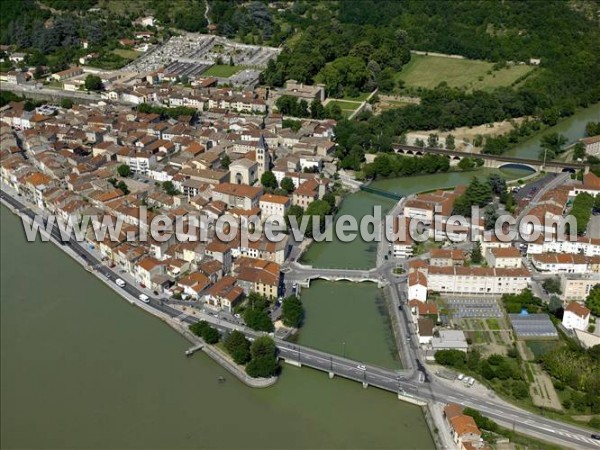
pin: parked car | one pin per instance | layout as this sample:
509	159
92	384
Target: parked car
461	376
120	282
144	298
595	436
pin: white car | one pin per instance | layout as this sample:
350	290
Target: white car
237	316
120	282
460	376
361	367
144	298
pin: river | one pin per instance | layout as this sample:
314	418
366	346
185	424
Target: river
81	368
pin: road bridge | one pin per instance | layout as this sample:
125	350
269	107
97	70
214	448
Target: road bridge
388	194
304	274
417	388
494	161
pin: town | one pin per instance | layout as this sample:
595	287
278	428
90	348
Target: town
497	340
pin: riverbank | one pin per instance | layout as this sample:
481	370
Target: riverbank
219	357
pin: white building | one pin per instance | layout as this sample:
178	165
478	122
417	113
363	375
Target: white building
561	263
274	207
477	280
576	316
577	287
417	286
506	258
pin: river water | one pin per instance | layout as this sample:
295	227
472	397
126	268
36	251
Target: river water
81	368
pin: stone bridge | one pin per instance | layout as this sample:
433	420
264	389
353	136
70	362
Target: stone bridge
303	274
495	161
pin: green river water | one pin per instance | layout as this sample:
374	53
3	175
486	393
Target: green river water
81	368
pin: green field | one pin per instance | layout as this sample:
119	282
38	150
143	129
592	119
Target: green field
429	71
126	53
348	107
222	71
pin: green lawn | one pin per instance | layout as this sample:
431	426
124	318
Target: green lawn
222	71
126	53
361	97
429	71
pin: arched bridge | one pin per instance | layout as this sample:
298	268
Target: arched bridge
494	161
304	274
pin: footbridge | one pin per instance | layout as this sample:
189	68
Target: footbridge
388	194
494	161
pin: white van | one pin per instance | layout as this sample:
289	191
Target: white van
120	282
144	298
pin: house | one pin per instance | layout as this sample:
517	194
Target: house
259	276
576	316
274	207
237	195
592	145
147	269
68	73
507	258
194	284
417	286
463	428
309	191
447	257
224	294
425	330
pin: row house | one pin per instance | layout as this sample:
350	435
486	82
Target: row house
238	195
258	276
509	258
224	294
565	263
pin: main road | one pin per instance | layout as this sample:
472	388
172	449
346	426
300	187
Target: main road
407	383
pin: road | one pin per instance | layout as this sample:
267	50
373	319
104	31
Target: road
408	382
30	89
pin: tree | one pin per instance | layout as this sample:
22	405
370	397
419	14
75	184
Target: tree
292	312
578	151
419	143
238	347
552	144
170	188
268	180
66	103
452	358
225	161
263	361
593	300
123	170
466	163
317	110
256	315
552	285
497	183
450	143
592	128
123	187
211	335
288	184
93	83
433	141
476	256
490	215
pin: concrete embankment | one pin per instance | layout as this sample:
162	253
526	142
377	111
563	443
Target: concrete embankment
214	353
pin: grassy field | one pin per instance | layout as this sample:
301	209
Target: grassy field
125	53
348	107
429	71
222	71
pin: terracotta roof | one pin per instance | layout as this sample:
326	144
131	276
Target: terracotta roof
464	425
239	190
417	277
505	252
578	309
279	199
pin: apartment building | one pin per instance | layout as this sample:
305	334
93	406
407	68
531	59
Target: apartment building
505	258
477	280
